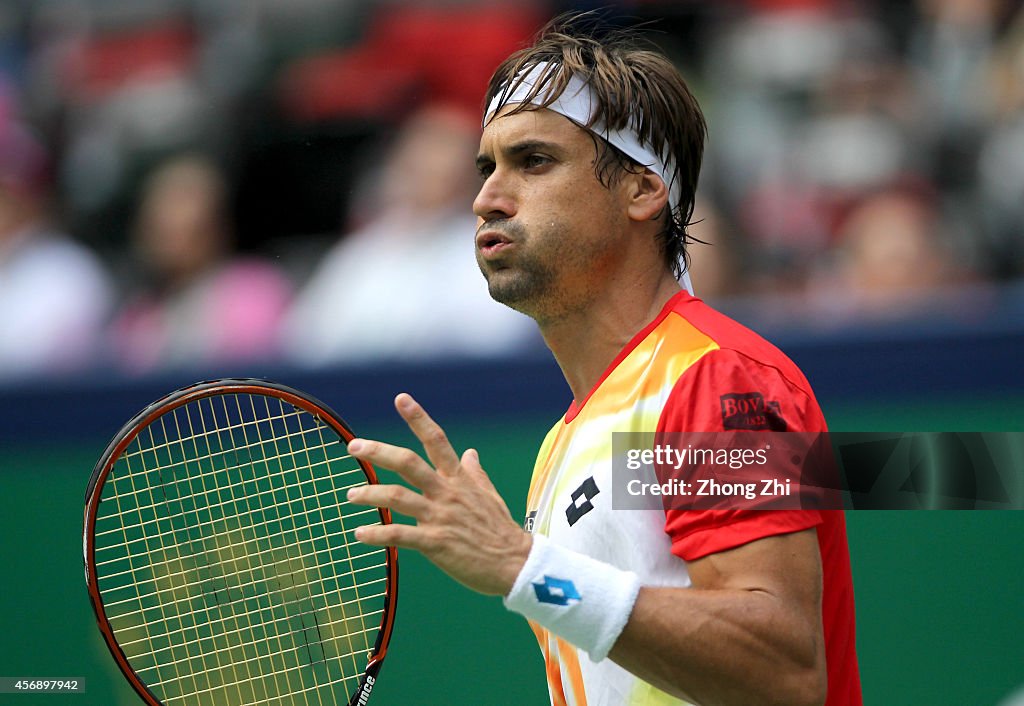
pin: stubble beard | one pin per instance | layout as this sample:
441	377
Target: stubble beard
535	279
526	278
522	285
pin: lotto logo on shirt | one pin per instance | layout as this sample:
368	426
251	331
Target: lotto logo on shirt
750	411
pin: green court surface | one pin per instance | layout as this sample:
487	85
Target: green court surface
939	594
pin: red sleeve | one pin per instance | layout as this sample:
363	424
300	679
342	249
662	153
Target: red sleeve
726	390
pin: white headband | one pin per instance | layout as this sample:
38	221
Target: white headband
578	104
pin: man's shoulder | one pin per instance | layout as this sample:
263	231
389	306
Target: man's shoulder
743	381
735	344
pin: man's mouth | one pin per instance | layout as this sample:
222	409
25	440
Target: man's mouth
491	242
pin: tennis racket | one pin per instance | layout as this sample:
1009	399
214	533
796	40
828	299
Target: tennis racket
220	557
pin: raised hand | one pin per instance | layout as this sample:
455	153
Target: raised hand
462	524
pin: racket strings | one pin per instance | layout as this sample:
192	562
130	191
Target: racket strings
163	484
204	434
286	607
256	612
280	638
279	459
258	429
135	578
206	654
257	581
161	461
306	451
291	697
183	514
348	550
268	550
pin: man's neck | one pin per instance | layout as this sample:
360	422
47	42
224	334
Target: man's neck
586	342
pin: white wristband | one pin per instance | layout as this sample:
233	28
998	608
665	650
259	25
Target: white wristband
578	598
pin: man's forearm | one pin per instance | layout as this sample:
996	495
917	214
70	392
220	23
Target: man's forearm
724	646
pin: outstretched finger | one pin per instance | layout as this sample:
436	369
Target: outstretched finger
393	535
471	463
431	435
404	462
394	497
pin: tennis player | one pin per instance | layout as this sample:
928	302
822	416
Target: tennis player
590	154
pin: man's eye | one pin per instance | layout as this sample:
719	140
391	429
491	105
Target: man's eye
485	171
536	160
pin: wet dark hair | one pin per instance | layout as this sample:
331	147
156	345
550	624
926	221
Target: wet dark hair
636	87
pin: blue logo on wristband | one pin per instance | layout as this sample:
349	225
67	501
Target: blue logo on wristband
556	591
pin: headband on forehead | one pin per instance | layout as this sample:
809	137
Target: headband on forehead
578	103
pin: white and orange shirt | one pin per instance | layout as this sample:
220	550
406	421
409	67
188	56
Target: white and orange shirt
690	369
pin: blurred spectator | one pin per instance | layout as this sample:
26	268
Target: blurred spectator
1001	166
124	82
405	285
951	47
891	257
54	294
196	301
819	112
859	131
1007	70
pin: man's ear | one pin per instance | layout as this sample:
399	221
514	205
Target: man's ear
647	195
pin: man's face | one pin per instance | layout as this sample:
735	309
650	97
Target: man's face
548	232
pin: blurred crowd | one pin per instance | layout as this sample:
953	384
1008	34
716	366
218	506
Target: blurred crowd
196	182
